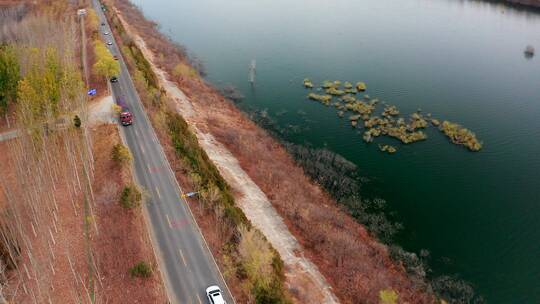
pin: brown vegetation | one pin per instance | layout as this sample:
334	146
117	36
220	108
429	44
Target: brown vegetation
357	265
54	234
123	240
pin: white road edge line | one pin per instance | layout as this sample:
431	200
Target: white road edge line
157	192
182	255
168	220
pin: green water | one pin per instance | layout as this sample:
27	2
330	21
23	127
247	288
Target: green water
477	213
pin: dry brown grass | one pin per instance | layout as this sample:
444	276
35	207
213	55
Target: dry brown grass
121	242
69	240
123	239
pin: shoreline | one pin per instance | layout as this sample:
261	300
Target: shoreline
361	258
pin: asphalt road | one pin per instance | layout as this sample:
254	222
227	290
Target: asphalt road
184	258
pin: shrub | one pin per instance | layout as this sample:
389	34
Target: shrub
131	197
187	148
141	270
454	290
121	154
269	294
183	70
388	296
116	108
77	121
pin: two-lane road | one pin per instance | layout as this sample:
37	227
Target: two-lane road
184	259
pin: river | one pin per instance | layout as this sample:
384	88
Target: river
477	213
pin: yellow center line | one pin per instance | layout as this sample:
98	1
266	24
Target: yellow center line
182	256
168	220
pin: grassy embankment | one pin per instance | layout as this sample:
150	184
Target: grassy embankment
247	260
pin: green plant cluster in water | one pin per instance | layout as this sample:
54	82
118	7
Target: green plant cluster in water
389	123
460	135
308	84
325	99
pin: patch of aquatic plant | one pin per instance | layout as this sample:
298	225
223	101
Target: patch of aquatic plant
360	86
387	148
404	135
350	91
335	92
390	111
325	99
348	98
327	84
370	134
460	135
417	121
389	123
360	107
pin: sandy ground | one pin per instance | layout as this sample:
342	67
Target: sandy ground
101	112
302	275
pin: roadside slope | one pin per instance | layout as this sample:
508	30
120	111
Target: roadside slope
302	274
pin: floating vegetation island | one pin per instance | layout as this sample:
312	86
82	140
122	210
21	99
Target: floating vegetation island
389	123
460	136
308	84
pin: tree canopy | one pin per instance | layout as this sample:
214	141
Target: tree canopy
9	76
105	64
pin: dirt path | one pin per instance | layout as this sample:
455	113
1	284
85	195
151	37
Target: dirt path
303	277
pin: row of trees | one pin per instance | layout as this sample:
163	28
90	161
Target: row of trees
105	64
9	77
52	158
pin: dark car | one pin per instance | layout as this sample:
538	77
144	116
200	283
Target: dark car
102	23
115	57
114	79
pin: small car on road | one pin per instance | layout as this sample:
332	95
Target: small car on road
214	294
114	79
105	33
109	43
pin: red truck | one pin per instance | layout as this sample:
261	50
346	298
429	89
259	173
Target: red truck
126	118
